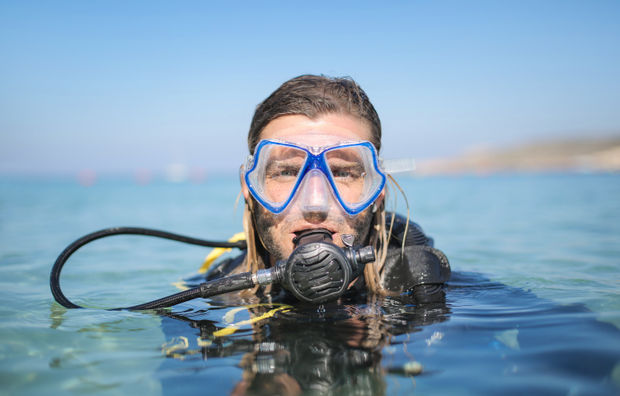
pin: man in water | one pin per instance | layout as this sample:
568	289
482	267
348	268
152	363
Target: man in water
313	146
314	164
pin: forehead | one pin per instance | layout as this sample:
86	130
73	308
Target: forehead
323	131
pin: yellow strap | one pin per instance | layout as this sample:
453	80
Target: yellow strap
229	317
217	252
180	285
230	329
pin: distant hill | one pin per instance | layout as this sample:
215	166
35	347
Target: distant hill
570	155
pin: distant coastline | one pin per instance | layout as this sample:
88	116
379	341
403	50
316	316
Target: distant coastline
559	155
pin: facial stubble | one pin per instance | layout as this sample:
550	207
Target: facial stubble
265	224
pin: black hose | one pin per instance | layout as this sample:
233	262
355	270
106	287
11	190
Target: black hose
207	289
72	248
168	301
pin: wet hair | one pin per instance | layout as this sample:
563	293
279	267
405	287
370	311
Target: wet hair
315	96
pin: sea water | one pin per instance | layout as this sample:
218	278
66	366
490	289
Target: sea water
533	305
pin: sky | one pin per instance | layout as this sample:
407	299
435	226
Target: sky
128	86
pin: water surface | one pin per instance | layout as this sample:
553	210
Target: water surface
533	305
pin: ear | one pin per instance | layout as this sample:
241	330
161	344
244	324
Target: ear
244	187
381	197
375	205
378	201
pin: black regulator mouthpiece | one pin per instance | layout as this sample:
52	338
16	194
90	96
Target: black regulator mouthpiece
318	270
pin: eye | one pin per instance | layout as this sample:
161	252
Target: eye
288	171
283	172
347	172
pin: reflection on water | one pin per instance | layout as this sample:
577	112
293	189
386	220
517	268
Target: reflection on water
328	349
388	345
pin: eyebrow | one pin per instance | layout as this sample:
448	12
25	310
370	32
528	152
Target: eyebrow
287	152
344	155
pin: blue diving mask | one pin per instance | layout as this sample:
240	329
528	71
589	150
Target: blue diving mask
278	172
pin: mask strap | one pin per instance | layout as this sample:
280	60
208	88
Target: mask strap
401	165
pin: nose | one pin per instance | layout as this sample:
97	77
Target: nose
315	197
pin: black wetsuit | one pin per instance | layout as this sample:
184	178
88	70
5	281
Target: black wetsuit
419	269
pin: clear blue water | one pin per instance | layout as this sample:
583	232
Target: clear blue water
534	304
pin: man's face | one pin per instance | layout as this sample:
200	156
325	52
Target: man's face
277	231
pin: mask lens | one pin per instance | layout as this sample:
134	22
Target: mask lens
276	172
354	174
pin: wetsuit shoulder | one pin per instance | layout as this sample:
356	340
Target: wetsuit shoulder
415	234
418	268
